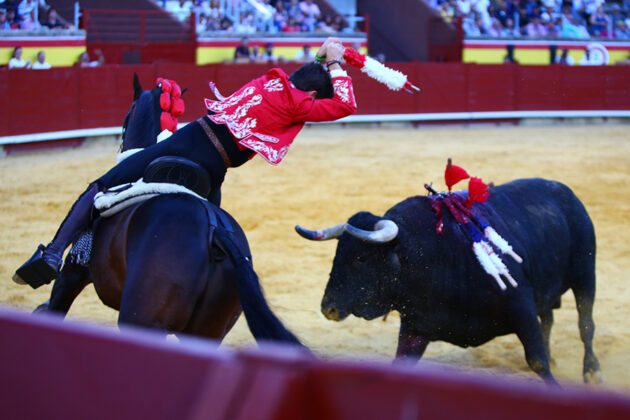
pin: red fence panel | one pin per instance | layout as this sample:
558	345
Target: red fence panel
74	98
539	88
491	87
76	370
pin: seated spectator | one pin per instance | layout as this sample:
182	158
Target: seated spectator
621	30
41	63
179	8
325	25
305	54
242	52
269	55
84	59
12	19
29	22
4	25
280	16
599	22
496	29
17	62
291	26
510	30
311	13
25	7
257	55
53	21
227	25
202	24
338	24
246	24
535	28
615	14
571	27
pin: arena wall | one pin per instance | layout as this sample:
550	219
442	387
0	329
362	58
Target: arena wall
72	98
75	370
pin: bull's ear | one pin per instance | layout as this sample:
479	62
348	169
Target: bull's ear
137	87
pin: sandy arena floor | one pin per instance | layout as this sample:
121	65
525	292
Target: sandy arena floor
331	173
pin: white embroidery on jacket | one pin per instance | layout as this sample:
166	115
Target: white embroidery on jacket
266	137
217	106
240	127
342	90
272	156
274	85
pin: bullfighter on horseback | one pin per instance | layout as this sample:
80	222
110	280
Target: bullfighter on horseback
263	117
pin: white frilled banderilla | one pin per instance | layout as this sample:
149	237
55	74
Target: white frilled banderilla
480	233
393	79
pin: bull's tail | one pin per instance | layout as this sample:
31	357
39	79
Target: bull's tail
262	322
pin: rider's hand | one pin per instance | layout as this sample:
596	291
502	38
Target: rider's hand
322	50
334	51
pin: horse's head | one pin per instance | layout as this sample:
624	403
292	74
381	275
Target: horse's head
142	122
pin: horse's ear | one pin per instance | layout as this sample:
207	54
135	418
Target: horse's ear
137	87
183	91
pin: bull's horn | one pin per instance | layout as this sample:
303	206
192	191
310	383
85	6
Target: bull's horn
322	234
384	231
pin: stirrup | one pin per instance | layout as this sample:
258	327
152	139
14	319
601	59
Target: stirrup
36	271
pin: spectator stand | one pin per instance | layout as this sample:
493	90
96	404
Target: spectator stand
62	42
532	32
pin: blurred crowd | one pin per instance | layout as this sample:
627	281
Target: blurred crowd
576	19
247	17
29	15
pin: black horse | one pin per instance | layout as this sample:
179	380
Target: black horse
175	263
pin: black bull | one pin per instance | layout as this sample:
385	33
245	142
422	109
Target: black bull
442	292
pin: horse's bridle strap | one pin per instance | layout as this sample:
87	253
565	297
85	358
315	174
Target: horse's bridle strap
215	141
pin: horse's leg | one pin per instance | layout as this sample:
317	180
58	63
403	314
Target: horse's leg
71	282
167	270
219	308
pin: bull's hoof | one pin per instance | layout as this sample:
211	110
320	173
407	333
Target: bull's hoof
593	377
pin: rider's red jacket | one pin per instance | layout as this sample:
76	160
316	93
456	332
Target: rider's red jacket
267	113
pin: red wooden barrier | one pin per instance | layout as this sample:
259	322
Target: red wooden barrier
55	369
75	98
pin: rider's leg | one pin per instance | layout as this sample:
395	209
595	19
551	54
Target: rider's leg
44	266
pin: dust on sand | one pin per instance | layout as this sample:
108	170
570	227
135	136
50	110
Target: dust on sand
331	173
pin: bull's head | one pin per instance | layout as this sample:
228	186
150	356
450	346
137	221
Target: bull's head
364	268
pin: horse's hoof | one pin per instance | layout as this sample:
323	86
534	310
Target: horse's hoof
44	307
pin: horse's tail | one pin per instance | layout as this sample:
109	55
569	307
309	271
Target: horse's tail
262	322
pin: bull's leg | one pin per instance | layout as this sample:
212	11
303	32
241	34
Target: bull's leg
71	282
546	322
584	300
411	345
529	333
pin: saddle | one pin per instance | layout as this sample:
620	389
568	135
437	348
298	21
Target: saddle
165	175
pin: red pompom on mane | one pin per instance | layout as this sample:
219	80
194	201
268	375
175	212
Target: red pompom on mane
171	103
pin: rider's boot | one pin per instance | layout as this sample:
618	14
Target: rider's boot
43	267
